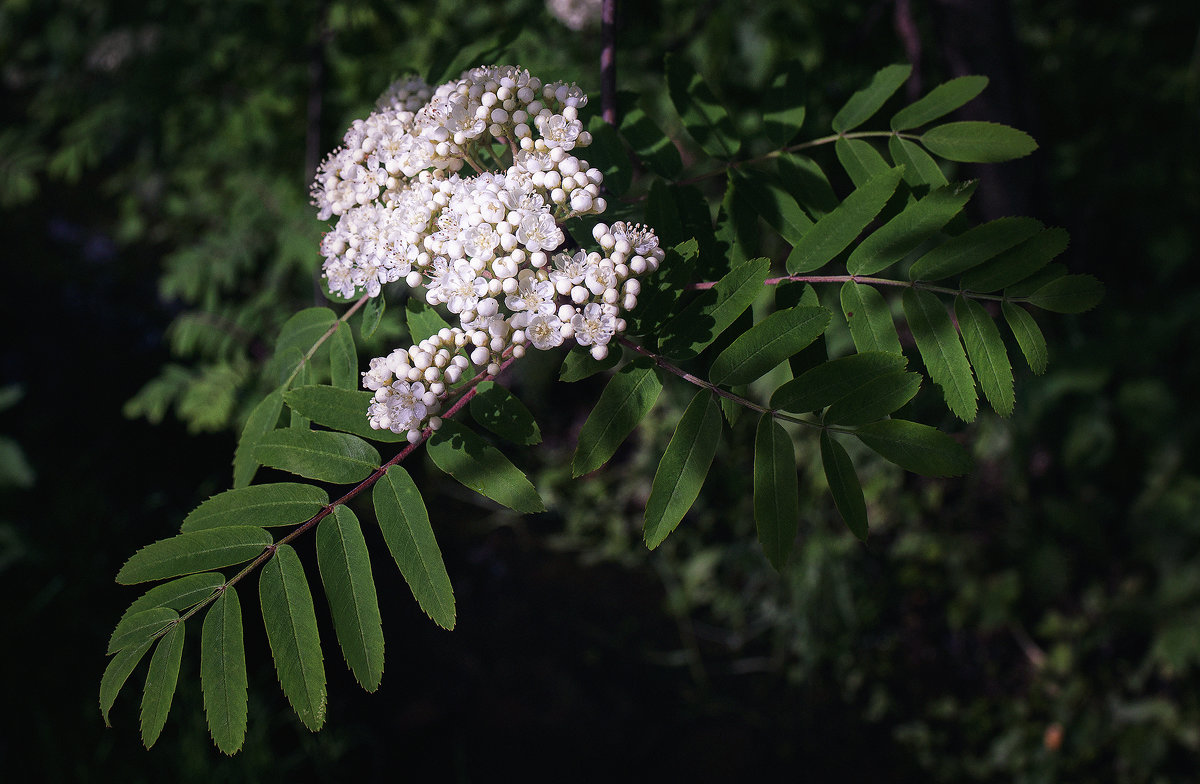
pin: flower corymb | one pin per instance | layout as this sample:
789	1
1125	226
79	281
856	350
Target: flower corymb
461	191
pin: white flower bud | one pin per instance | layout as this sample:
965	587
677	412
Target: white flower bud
480	355
579	295
599	351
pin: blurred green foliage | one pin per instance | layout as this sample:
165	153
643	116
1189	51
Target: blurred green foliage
1039	621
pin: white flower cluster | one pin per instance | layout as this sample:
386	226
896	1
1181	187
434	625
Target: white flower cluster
486	246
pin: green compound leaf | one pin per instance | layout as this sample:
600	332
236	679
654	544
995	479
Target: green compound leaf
864	103
223	672
837	229
653	147
915	447
194	551
711	313
423	319
703	115
783	113
684	465
940	101
1017	263
772	203
875	399
814	389
177	594
661	290
579	364
988	356
481	467
805	180
297	337
767	343
372	314
501	412
627	398
1029	336
409	536
262	420
291	624
135	629
919	167
942	351
279	503
339	409
915	224
860	160
776	501
117	672
161	680
978	142
1043	277
338	458
343	358
350	587
973	247
1069	294
844	485
870	319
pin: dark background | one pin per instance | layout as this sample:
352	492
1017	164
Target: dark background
1036	621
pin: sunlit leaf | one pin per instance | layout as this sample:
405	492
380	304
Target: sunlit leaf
340	409
350	587
339	458
978	142
915	447
836	230
501	412
683	467
628	397
943	353
279	503
409	536
481	467
870	318
297	337
919	167
223	672
161	680
860	160
844	485
195	551
939	102
915	224
767	343
776	504
1028	335
291	624
985	348
423	319
864	103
